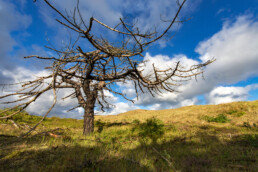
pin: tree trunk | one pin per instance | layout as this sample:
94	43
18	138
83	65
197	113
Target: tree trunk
88	125
91	94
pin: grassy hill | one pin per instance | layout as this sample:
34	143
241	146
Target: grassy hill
194	138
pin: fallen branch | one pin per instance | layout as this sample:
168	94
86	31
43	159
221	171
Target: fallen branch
15	124
169	163
50	133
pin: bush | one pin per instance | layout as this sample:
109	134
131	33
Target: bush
232	112
236	113
153	129
221	118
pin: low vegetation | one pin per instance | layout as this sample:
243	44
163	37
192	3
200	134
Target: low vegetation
152	129
195	138
221	118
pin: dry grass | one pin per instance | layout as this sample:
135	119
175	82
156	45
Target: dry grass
190	143
191	114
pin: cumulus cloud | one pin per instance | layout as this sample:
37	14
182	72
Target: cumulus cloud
166	99
146	15
106	11
234	47
236	53
119	107
171	104
14	22
149	13
41	105
13	73
229	94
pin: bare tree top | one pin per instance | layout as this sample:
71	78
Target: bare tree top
91	73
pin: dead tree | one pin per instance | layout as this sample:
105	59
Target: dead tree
91	74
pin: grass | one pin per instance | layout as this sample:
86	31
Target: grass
189	142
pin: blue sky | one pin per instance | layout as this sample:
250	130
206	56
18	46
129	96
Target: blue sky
226	30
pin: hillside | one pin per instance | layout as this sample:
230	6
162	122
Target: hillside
194	138
191	114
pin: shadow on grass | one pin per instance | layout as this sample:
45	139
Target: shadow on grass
201	152
64	158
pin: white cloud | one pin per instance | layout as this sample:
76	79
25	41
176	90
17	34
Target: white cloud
235	48
11	20
120	107
110	97
229	94
236	53
41	105
106	11
171	104
146	15
165	62
167	99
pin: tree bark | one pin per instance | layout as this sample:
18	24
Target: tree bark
91	96
88	125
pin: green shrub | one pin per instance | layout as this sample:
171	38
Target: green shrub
153	129
239	114
221	118
236	113
232	112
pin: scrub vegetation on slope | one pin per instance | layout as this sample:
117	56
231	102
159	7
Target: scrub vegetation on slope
195	138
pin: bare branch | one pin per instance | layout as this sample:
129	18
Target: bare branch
90	73
171	24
